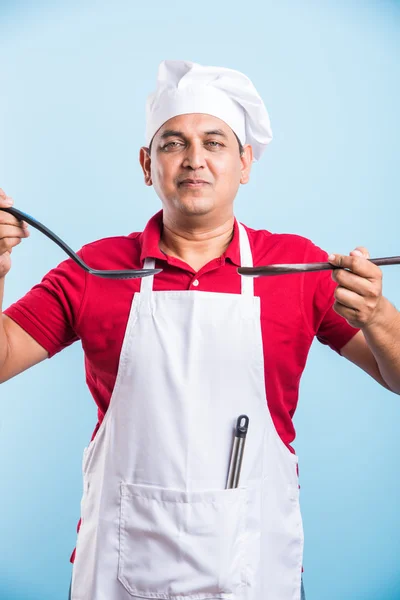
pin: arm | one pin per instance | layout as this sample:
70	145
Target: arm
376	348
359	353
18	350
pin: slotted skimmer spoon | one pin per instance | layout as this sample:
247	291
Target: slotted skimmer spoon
264	271
129	274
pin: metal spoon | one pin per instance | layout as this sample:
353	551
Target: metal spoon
130	274
264	271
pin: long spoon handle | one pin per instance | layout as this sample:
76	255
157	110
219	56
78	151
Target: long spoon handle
108	274
264	271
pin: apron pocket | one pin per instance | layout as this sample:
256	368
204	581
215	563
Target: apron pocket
186	545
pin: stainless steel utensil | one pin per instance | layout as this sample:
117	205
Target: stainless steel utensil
239	441
108	274
267	270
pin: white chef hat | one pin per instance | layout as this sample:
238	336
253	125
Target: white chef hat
185	87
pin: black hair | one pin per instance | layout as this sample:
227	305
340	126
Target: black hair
241	149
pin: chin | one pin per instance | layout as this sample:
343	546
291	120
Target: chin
196	206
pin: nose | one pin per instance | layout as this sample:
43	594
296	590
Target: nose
194	157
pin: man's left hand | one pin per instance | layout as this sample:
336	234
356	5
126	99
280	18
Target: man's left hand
359	293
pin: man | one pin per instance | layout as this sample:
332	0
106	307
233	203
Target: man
173	360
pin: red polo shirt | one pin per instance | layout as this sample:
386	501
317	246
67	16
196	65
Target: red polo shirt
69	305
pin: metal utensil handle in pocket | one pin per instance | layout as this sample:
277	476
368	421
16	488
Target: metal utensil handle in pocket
239	441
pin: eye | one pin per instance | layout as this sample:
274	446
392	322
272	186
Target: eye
172	145
212	142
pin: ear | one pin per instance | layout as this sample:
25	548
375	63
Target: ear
246	160
145	163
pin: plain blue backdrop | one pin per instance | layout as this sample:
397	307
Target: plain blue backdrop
74	80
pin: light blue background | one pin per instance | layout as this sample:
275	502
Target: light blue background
73	81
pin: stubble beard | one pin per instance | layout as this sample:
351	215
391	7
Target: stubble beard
195	205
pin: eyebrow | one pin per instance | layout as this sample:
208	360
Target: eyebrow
174	133
216	132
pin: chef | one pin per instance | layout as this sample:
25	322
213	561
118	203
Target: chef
173	359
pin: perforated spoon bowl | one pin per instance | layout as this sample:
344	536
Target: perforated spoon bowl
108	274
267	270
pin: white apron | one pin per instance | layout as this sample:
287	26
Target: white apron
157	521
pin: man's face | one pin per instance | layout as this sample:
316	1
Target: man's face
195	165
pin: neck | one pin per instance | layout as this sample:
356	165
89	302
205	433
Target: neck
196	241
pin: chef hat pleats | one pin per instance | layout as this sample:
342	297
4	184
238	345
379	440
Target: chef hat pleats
185	87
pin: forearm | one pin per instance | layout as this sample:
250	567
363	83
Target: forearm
383	338
3	337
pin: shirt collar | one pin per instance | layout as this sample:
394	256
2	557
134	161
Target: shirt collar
151	235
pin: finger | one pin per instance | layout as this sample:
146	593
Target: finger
357	264
10	221
5	200
13	234
347	279
348	298
360	251
8	244
8	230
351	315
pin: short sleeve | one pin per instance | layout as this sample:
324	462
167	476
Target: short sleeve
330	328
50	310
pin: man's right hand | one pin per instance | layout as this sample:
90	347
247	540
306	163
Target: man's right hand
11	233
18	350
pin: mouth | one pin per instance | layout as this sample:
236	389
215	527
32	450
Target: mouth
193	183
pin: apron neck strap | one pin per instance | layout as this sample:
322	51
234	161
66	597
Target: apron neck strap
246	260
146	283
